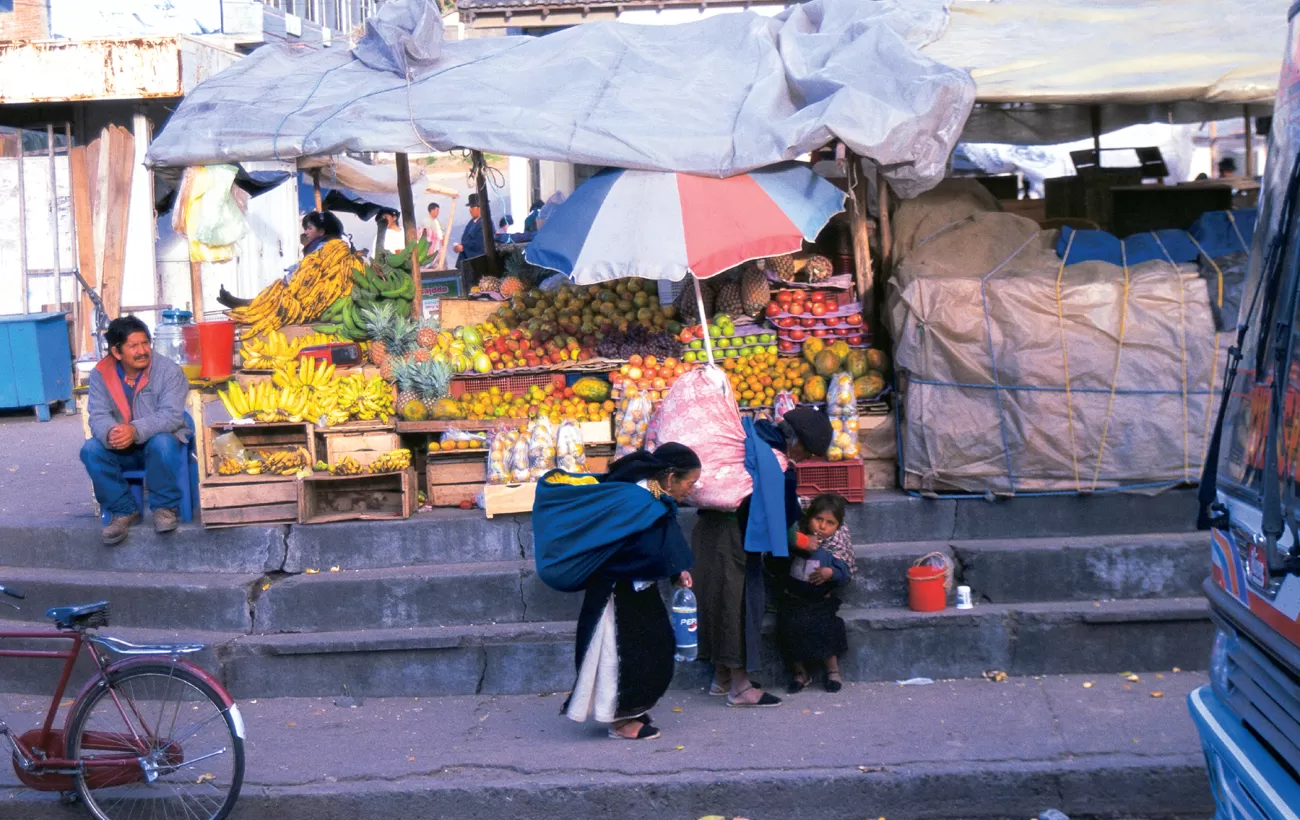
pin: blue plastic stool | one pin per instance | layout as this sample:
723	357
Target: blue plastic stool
189	489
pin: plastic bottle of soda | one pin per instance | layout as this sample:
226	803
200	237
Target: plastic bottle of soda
685	624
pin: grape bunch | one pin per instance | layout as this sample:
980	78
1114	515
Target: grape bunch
640	339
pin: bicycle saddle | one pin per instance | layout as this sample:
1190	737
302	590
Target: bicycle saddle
78	617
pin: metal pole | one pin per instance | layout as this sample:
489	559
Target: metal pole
704	320
54	216
22	223
1250	150
72	229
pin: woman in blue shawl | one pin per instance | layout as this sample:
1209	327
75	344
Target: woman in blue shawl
625	643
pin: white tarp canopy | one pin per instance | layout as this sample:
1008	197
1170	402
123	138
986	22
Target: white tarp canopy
1138	60
716	97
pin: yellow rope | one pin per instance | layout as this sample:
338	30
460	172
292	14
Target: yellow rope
1182	323
1114	384
1214	368
1065	360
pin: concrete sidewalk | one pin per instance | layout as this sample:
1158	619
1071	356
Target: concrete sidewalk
954	749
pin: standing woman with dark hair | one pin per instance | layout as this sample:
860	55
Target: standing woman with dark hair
613	537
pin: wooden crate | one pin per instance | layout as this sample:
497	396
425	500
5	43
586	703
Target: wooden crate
245	500
324	498
503	499
364	447
259	437
454	478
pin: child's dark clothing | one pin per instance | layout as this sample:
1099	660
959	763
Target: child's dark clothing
807	625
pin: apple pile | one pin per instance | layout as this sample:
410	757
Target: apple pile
523	347
803	314
727	344
648	375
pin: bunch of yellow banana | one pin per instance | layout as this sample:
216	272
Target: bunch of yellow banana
347	465
365	399
230	466
304	373
287	462
275	350
265	402
391	462
321	278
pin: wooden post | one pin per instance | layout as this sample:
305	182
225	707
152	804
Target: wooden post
880	332
485	210
196	288
83	224
407	200
1214	164
315	186
1095	115
54	215
22	221
858	207
1250	149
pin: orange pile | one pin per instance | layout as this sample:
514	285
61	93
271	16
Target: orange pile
757	379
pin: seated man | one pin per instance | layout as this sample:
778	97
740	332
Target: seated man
137	420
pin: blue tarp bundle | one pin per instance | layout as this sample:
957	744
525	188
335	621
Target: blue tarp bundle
1218	233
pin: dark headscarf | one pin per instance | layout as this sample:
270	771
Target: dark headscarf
642	464
811	428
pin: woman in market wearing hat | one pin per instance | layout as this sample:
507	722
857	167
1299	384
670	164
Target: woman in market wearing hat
729	570
612	536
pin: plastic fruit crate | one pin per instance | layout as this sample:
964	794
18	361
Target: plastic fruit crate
516	384
845	478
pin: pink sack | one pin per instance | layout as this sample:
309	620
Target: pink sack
700	412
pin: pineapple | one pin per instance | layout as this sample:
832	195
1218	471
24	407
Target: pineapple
404	374
755	292
782	266
728	300
819	269
379	322
426	334
510	286
489	284
432	380
686	302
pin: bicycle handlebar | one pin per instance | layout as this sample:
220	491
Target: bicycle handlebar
12	593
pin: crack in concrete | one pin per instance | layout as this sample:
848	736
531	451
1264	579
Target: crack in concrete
482	670
1194	760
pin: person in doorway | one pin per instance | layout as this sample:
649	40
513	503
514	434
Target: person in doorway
137	421
433	230
808	626
1227	168
729	573
471	245
614	540
393	239
531	222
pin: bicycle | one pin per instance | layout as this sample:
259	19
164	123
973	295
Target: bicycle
149	734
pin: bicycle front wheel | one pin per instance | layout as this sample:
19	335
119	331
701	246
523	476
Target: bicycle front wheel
155	740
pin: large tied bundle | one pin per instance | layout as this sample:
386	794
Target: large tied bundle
1026	374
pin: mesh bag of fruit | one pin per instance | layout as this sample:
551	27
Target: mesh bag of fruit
500	443
570	454
701	412
541	448
842	407
632	423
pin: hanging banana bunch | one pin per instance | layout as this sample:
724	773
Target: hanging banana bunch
321	279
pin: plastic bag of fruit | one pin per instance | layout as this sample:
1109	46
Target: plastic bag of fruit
520	471
500	443
783	403
652	429
842	407
541	448
570	454
473	441
701	412
631	423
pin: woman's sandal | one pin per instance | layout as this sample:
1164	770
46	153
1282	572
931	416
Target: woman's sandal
833	682
798	683
767	701
646	732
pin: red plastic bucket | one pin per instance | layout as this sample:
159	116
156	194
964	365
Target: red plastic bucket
925	588
217	344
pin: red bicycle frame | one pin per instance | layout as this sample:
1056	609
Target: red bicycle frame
41	761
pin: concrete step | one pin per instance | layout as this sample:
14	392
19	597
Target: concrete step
159	600
965	749
449	536
884	644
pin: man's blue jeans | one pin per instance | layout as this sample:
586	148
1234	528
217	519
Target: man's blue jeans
158	458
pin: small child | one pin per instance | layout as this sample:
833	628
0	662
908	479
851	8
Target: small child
808	628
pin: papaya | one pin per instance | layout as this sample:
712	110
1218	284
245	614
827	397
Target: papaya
826	363
811	347
869	386
446	410
877	360
840	348
856	363
591	389
814	389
